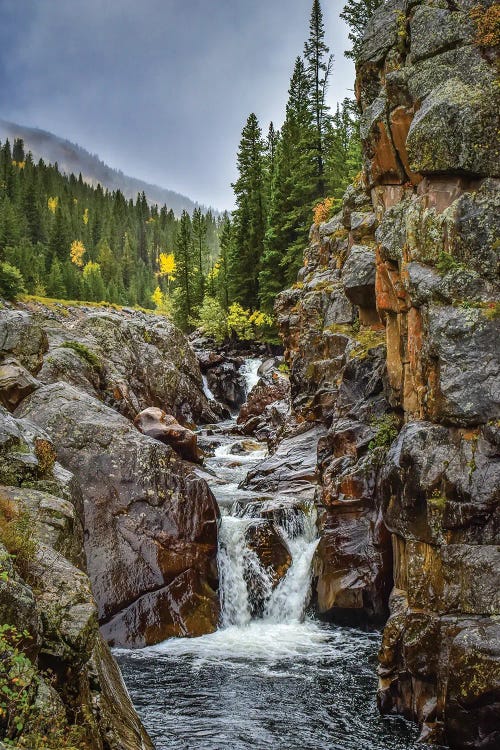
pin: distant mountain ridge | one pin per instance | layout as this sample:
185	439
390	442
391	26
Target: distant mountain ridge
72	158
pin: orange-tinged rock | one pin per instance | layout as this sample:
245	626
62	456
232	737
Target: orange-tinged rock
400	120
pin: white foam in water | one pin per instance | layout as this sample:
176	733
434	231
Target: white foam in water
259	640
206	389
290	598
224	452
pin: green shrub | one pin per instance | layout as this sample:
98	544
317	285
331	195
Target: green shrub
386	431
11	281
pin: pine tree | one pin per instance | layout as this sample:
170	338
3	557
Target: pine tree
318	66
186	277
356	14
222	266
292	195
249	216
18	151
343	160
199	230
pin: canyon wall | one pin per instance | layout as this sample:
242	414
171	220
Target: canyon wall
391	335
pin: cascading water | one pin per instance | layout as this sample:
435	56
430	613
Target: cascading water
206	389
269	677
239	567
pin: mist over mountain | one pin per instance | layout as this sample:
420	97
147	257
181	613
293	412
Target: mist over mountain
72	158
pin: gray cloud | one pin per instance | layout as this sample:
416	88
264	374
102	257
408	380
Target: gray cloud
161	88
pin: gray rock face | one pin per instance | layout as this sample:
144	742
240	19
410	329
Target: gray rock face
144	512
464	343
15	384
358	276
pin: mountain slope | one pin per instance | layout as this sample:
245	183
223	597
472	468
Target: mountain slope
72	158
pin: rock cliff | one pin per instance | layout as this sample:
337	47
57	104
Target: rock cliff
391	335
100	524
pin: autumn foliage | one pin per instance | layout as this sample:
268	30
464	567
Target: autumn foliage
322	210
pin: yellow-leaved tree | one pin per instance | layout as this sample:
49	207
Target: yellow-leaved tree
76	253
85	217
168	267
52	204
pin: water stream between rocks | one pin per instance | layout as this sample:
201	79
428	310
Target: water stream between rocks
271	677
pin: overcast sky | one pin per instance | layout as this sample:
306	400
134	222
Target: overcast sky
159	88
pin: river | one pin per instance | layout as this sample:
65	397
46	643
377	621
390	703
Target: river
272	677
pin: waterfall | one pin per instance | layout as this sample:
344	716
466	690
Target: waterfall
249	370
246	586
206	389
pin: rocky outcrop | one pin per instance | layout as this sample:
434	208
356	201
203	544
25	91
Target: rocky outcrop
129	359
143	509
151	525
267	404
393	324
56	669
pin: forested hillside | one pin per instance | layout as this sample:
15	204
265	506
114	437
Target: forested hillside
63	238
73	159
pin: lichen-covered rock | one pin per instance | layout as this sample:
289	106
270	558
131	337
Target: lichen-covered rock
148	519
131	360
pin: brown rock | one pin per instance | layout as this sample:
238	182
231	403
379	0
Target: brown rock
155	423
15	384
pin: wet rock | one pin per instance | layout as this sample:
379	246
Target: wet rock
268	545
147	518
291	469
473	688
358	276
154	423
273	387
227	383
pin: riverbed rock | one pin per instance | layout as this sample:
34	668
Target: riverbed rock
148	520
154	423
291	469
226	381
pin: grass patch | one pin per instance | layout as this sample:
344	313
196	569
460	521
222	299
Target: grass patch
386	428
84	353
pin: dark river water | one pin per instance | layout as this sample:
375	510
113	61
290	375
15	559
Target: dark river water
302	686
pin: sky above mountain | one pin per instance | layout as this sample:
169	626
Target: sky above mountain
159	88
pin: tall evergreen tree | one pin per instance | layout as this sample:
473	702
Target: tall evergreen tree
293	192
249	216
318	66
186	275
